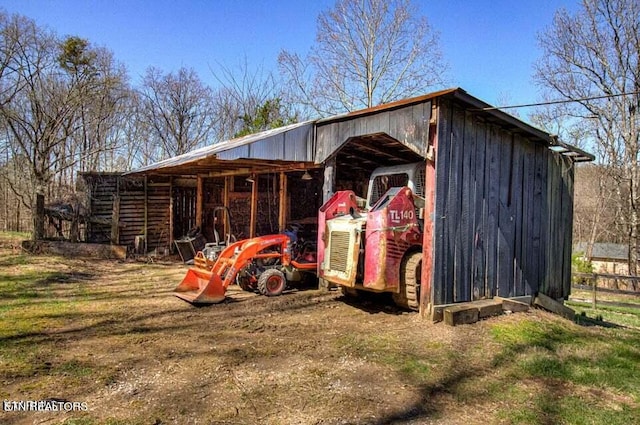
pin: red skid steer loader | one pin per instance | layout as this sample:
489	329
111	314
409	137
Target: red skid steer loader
265	264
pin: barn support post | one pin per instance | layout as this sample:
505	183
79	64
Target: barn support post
171	207
254	206
426	278
115	220
199	200
225	201
146	213
329	179
282	213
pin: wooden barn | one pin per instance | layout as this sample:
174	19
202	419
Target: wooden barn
266	180
499	192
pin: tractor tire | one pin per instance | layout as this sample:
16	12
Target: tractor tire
244	283
271	282
410	271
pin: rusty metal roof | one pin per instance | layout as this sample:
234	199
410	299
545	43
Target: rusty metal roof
291	143
479	106
295	144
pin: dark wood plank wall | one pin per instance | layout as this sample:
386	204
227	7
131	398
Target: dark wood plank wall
184	210
127	195
503	212
101	191
158	200
131	220
409	125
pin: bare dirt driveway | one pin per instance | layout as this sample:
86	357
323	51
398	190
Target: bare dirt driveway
111	335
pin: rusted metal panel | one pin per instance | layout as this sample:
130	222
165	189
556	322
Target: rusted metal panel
392	229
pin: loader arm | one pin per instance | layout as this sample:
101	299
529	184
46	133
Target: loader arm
202	286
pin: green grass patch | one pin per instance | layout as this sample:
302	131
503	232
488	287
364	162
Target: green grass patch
580	294
605	315
79	421
559	361
74	368
528	334
16	260
547	408
417	363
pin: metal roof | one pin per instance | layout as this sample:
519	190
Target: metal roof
291	143
479	106
605	250
296	143
574	153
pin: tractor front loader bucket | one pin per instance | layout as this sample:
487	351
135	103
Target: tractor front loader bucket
200	286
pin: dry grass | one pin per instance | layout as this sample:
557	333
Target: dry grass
110	334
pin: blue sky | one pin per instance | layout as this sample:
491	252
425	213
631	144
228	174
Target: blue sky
490	44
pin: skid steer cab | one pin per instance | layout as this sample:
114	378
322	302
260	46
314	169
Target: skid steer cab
266	264
377	248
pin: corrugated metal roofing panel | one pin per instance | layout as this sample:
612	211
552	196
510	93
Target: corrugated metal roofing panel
610	251
276	144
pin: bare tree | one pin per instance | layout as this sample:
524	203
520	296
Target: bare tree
596	52
44	88
367	52
249	100
594	219
101	106
177	109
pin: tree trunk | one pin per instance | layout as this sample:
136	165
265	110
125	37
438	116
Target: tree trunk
38	217
17	224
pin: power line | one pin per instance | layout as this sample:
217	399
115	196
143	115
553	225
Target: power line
556	102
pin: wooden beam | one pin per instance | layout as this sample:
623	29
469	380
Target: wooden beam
283	211
115	220
329	179
554	306
146	212
265	168
228	183
171	222
199	200
426	278
254	207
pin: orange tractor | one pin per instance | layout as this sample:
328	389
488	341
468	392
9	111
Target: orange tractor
371	244
265	264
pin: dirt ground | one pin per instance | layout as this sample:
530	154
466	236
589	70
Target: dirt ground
119	341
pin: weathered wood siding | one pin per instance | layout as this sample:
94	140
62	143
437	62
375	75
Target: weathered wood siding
503	212
101	192
132	209
158	213
408	124
114	196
